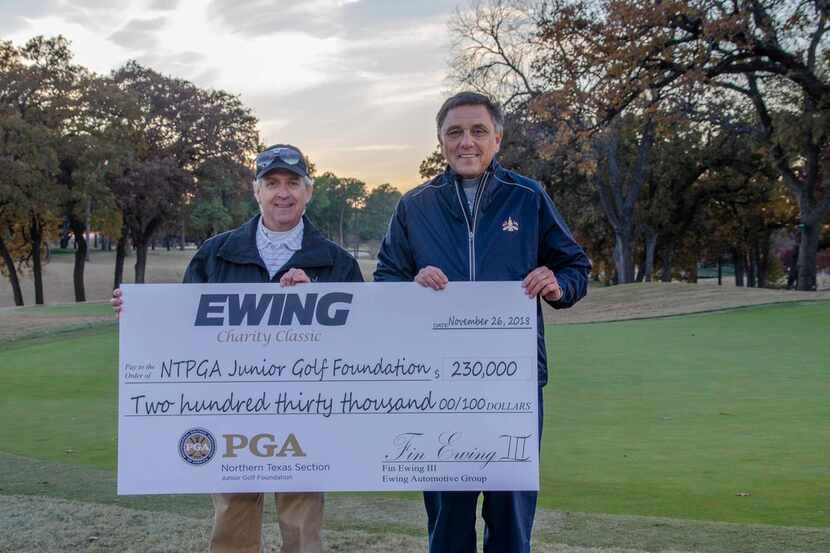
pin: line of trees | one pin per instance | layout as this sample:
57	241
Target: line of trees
134	155
125	154
672	133
348	214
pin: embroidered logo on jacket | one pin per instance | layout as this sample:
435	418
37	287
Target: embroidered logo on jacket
510	225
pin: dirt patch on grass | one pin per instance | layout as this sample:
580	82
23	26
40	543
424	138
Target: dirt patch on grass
45	525
27	322
32	524
661	299
613	303
61	314
162	267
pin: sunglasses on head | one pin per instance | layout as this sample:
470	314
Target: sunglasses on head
286	155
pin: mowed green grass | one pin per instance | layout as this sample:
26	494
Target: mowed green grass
677	416
663	417
58	396
68	310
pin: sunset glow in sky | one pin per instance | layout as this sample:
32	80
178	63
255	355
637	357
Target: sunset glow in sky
354	83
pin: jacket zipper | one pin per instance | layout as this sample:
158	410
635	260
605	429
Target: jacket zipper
471	228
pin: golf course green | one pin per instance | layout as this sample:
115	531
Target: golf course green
719	416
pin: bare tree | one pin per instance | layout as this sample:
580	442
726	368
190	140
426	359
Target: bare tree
771	52
493	47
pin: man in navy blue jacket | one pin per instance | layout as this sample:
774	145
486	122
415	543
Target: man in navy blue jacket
479	221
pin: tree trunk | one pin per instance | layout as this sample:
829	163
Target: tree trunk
751	272
181	243
78	229
641	268
651	247
738	260
140	261
120	255
36	235
763	255
807	251
624	258
804	181
619	191
720	270
666	261
14	281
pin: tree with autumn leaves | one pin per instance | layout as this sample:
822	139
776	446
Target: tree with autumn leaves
772	54
617	84
134	155
34	102
182	132
124	151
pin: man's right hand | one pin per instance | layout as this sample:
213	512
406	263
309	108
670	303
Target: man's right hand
432	277
116	302
294	276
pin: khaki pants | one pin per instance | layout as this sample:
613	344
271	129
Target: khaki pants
237	524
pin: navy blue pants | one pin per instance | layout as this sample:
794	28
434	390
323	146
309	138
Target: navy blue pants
508	518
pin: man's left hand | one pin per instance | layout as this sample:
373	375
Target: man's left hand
542	282
293	276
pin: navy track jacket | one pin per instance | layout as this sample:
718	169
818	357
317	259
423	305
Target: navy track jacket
513	228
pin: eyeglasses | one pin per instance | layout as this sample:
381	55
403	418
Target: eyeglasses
286	155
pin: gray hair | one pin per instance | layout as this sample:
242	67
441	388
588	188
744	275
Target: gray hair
307	181
469	98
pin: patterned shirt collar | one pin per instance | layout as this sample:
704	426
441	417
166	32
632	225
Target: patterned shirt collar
290	239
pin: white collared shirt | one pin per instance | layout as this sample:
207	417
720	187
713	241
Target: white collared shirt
277	247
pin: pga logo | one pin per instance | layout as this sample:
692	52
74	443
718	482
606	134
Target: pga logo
197	446
262	445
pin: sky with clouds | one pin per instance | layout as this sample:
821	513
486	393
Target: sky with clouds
354	83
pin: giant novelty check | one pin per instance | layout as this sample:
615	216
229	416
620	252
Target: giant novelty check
327	387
